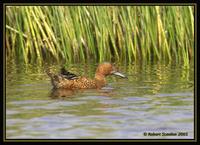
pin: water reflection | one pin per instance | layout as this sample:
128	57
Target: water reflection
61	93
155	98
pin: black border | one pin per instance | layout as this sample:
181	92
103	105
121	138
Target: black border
102	140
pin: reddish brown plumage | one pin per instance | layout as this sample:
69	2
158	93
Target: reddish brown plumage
99	81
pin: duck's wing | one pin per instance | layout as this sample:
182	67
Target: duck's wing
68	75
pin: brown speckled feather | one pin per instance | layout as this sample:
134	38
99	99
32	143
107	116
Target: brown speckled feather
80	83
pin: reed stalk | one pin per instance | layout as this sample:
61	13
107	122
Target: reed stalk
100	33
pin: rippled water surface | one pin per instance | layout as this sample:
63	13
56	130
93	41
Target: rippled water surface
156	98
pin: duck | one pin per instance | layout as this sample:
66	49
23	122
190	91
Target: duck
68	80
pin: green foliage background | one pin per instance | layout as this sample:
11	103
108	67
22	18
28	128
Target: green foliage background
100	33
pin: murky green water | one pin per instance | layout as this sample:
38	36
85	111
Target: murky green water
156	98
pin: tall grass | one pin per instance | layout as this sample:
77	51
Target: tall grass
100	33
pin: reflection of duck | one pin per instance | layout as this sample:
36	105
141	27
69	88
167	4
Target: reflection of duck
61	93
69	80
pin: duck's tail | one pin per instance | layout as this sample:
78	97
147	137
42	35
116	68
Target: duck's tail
49	73
55	79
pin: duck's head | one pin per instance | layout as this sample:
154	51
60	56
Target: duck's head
105	69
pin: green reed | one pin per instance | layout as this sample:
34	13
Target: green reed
100	33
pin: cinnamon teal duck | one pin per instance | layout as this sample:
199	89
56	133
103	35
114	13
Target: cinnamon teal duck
68	80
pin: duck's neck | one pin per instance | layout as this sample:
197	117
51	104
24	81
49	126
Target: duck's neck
100	80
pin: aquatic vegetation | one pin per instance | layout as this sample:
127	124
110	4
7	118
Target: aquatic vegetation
100	33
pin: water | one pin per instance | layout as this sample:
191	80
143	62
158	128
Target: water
157	98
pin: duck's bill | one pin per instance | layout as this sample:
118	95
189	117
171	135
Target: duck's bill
119	74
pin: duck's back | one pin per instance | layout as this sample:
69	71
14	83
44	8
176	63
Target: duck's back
81	83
